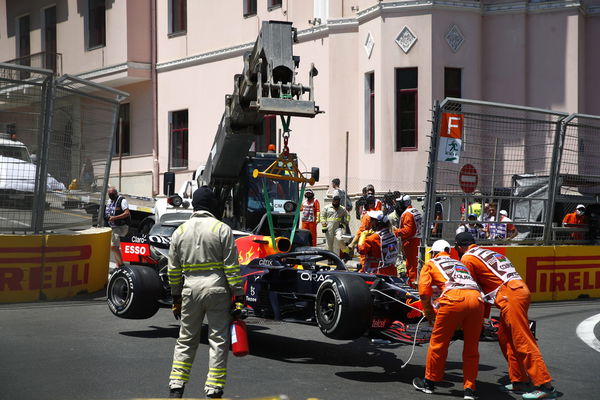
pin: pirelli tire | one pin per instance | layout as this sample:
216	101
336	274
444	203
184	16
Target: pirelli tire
344	307
133	292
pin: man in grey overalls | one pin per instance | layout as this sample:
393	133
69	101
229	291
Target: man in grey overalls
204	276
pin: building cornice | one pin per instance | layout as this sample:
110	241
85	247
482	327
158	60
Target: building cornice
385	9
532	8
593	10
332	26
113	69
204	58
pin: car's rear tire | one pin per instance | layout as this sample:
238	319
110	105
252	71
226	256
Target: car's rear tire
133	292
344	307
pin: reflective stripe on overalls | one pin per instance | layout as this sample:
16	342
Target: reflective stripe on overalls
456	274
232	272
417	218
498	265
388	255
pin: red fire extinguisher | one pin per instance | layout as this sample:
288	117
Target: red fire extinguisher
239	335
239	338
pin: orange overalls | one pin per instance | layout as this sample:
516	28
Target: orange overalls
503	286
310	213
380	251
410	234
378	205
365	222
572	219
459	305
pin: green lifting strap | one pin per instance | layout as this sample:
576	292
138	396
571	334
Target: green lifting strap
297	214
269	215
285	122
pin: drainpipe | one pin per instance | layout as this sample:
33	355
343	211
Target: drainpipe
154	82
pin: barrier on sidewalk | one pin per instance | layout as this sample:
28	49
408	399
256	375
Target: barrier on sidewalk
555	272
53	266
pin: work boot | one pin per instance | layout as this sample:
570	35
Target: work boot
176	393
423	385
541	393
470	394
517	387
214	393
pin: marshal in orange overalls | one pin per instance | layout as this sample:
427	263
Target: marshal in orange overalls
410	234
503	285
380	251
576	221
459	305
310	211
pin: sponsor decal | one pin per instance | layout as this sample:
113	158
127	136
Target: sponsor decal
134	249
37	267
158	239
69	268
559	274
380	323
307	276
500	257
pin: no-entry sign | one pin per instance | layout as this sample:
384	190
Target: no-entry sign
467	178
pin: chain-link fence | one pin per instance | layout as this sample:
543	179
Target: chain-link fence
56	140
510	174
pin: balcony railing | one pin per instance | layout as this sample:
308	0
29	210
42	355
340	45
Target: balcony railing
44	59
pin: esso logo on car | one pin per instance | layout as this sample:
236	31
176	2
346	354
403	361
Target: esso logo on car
136	249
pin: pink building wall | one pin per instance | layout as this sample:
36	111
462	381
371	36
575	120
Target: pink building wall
523	53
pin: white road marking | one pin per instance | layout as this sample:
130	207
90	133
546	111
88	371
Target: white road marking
585	331
14	221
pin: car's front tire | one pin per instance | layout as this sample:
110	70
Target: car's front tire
344	307
133	292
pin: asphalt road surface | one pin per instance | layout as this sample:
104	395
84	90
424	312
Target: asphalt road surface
77	349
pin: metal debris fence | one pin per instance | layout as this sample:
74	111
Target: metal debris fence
56	144
535	164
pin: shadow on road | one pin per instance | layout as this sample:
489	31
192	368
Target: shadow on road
158	332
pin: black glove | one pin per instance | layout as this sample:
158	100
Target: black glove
240	299
238	309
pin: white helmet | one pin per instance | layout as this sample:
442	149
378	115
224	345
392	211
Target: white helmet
440	245
378	216
404	200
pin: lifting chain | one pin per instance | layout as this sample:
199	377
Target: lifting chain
286	132
286	136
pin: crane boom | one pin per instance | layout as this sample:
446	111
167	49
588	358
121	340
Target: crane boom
266	86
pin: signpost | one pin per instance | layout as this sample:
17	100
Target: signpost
468	179
450	137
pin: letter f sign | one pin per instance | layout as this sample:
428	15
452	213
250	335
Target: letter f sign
451	125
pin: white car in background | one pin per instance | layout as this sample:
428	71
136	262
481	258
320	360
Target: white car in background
17	175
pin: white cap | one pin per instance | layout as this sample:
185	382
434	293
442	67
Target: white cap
375	214
580	206
404	198
503	212
440	245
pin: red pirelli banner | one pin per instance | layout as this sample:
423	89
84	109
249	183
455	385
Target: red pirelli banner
40	267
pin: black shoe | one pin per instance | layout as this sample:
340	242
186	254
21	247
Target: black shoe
215	395
470	394
424	385
176	393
